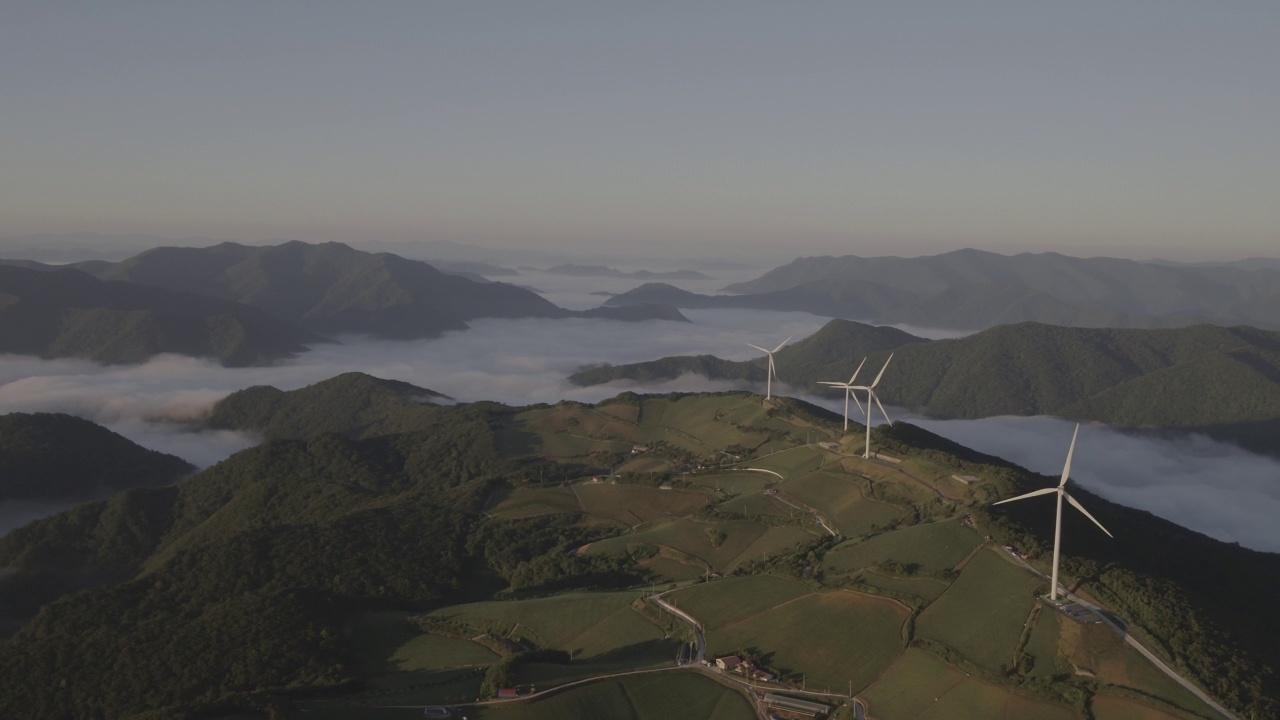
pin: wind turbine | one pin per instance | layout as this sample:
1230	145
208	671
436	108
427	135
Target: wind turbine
871	395
1061	490
848	390
772	373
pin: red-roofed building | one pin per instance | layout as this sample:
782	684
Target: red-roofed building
728	662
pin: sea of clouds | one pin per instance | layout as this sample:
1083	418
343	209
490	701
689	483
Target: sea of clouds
1211	487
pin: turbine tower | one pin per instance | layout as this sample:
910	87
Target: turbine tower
772	373
848	390
871	396
1061	490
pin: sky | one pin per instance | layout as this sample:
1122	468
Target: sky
735	129
1211	487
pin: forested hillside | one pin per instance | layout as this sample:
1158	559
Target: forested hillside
1224	382
47	456
66	313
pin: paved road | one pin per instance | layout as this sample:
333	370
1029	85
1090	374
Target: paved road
688	619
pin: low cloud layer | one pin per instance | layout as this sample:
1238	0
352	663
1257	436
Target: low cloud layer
1208	486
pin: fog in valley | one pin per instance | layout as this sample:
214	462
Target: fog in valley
1208	486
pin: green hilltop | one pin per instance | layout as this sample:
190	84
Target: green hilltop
446	551
1224	382
48	456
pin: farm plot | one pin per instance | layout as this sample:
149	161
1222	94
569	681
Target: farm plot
983	613
931	547
651	696
733	482
920	685
582	624
925	588
635	504
522	502
1110	707
720	544
841	501
719	603
833	638
757	504
387	642
790	462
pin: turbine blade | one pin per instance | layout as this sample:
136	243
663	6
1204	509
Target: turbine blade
1033	493
854	395
1080	507
886	367
1066	469
834	384
855	372
758	348
882	412
784	342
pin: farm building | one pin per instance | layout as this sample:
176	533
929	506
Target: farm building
505	693
728	662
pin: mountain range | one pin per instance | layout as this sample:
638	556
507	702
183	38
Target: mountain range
973	290
1224	382
250	305
63	312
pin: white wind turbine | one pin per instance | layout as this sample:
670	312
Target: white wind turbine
871	396
1061	490
848	391
772	373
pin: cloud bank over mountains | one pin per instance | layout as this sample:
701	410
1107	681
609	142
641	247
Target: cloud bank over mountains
1214	488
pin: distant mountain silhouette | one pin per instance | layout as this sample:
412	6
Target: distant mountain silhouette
973	290
67	313
332	289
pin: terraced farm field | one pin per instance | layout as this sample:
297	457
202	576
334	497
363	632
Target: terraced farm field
523	502
983	612
701	539
635	504
652	696
841	502
833	637
920	685
725	601
933	547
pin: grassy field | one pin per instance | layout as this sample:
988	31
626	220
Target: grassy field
925	588
791	462
920	685
733	482
757	504
1098	649
725	601
932	547
701	540
1043	644
1110	707
386	642
652	696
635	504
983	612
582	624
817	636
519	502
841	502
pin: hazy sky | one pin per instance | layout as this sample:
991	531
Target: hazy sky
1134	129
